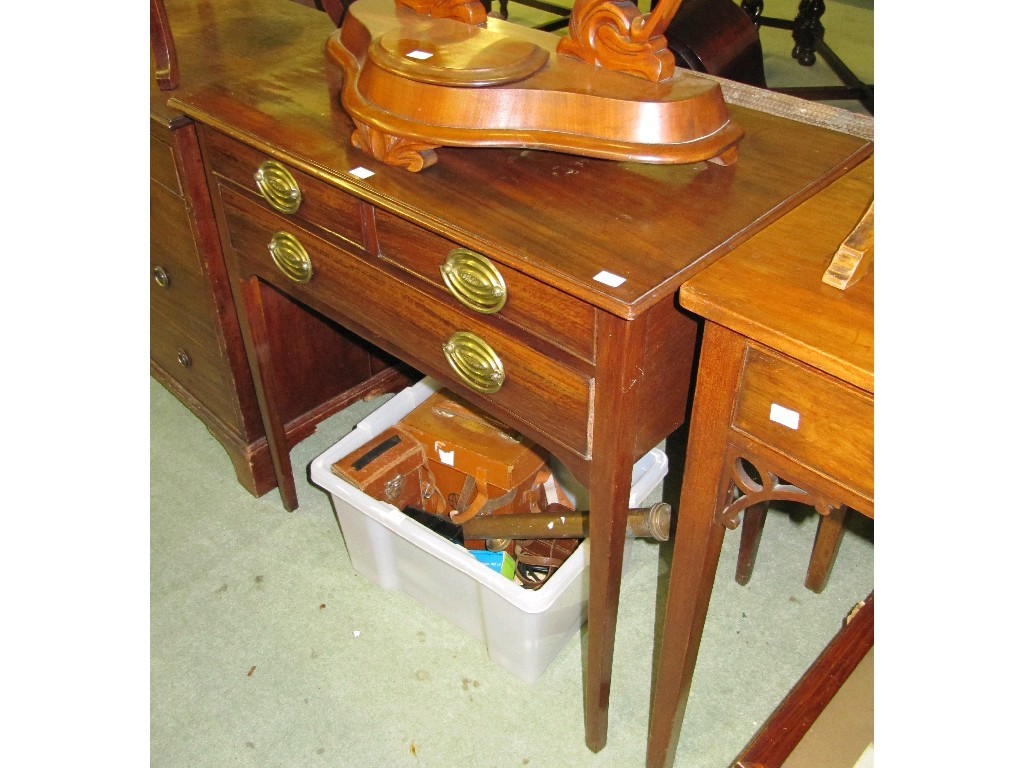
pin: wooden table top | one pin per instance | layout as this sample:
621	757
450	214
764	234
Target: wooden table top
769	289
257	71
214	38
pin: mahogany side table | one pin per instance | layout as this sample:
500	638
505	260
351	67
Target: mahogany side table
783	409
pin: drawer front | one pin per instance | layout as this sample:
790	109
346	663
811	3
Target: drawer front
813	418
182	296
162	168
170	230
528	303
321	205
178	286
553	397
202	371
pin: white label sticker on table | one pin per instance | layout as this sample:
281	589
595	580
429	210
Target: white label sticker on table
609	278
445	457
784	416
361	173
419	55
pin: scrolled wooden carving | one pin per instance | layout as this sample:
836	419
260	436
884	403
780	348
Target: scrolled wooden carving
469	11
742	490
614	34
405	153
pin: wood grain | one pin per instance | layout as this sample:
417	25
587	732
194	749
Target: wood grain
655	225
415	78
195	339
800	316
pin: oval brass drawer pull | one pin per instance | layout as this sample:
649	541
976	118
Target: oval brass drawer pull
474	362
278	187
474	280
290	257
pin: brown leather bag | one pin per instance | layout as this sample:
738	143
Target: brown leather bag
390	467
478	465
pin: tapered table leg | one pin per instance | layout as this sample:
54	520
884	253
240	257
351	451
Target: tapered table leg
826	547
257	339
750	538
610	475
698	539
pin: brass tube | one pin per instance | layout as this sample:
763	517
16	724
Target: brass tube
560	522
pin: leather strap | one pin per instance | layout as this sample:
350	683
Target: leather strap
475	486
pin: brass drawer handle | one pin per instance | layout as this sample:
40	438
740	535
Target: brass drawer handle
474	280
474	362
278	187
290	257
160	276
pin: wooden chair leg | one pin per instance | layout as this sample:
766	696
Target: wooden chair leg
826	546
750	538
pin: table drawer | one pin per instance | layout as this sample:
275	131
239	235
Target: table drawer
812	418
182	296
170	229
283	187
482	284
162	168
202	371
358	291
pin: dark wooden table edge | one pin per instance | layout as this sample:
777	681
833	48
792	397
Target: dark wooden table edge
797	712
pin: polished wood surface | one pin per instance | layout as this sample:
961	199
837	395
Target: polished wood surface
599	402
607	243
414	83
673	220
826	328
616	35
717	37
775	337
191	321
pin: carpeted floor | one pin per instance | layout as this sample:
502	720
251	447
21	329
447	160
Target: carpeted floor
268	650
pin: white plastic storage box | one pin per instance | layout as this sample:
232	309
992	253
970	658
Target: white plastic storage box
524	630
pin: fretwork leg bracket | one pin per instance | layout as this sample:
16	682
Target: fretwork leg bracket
749	484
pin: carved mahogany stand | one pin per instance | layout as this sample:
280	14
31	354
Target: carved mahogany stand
422	74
